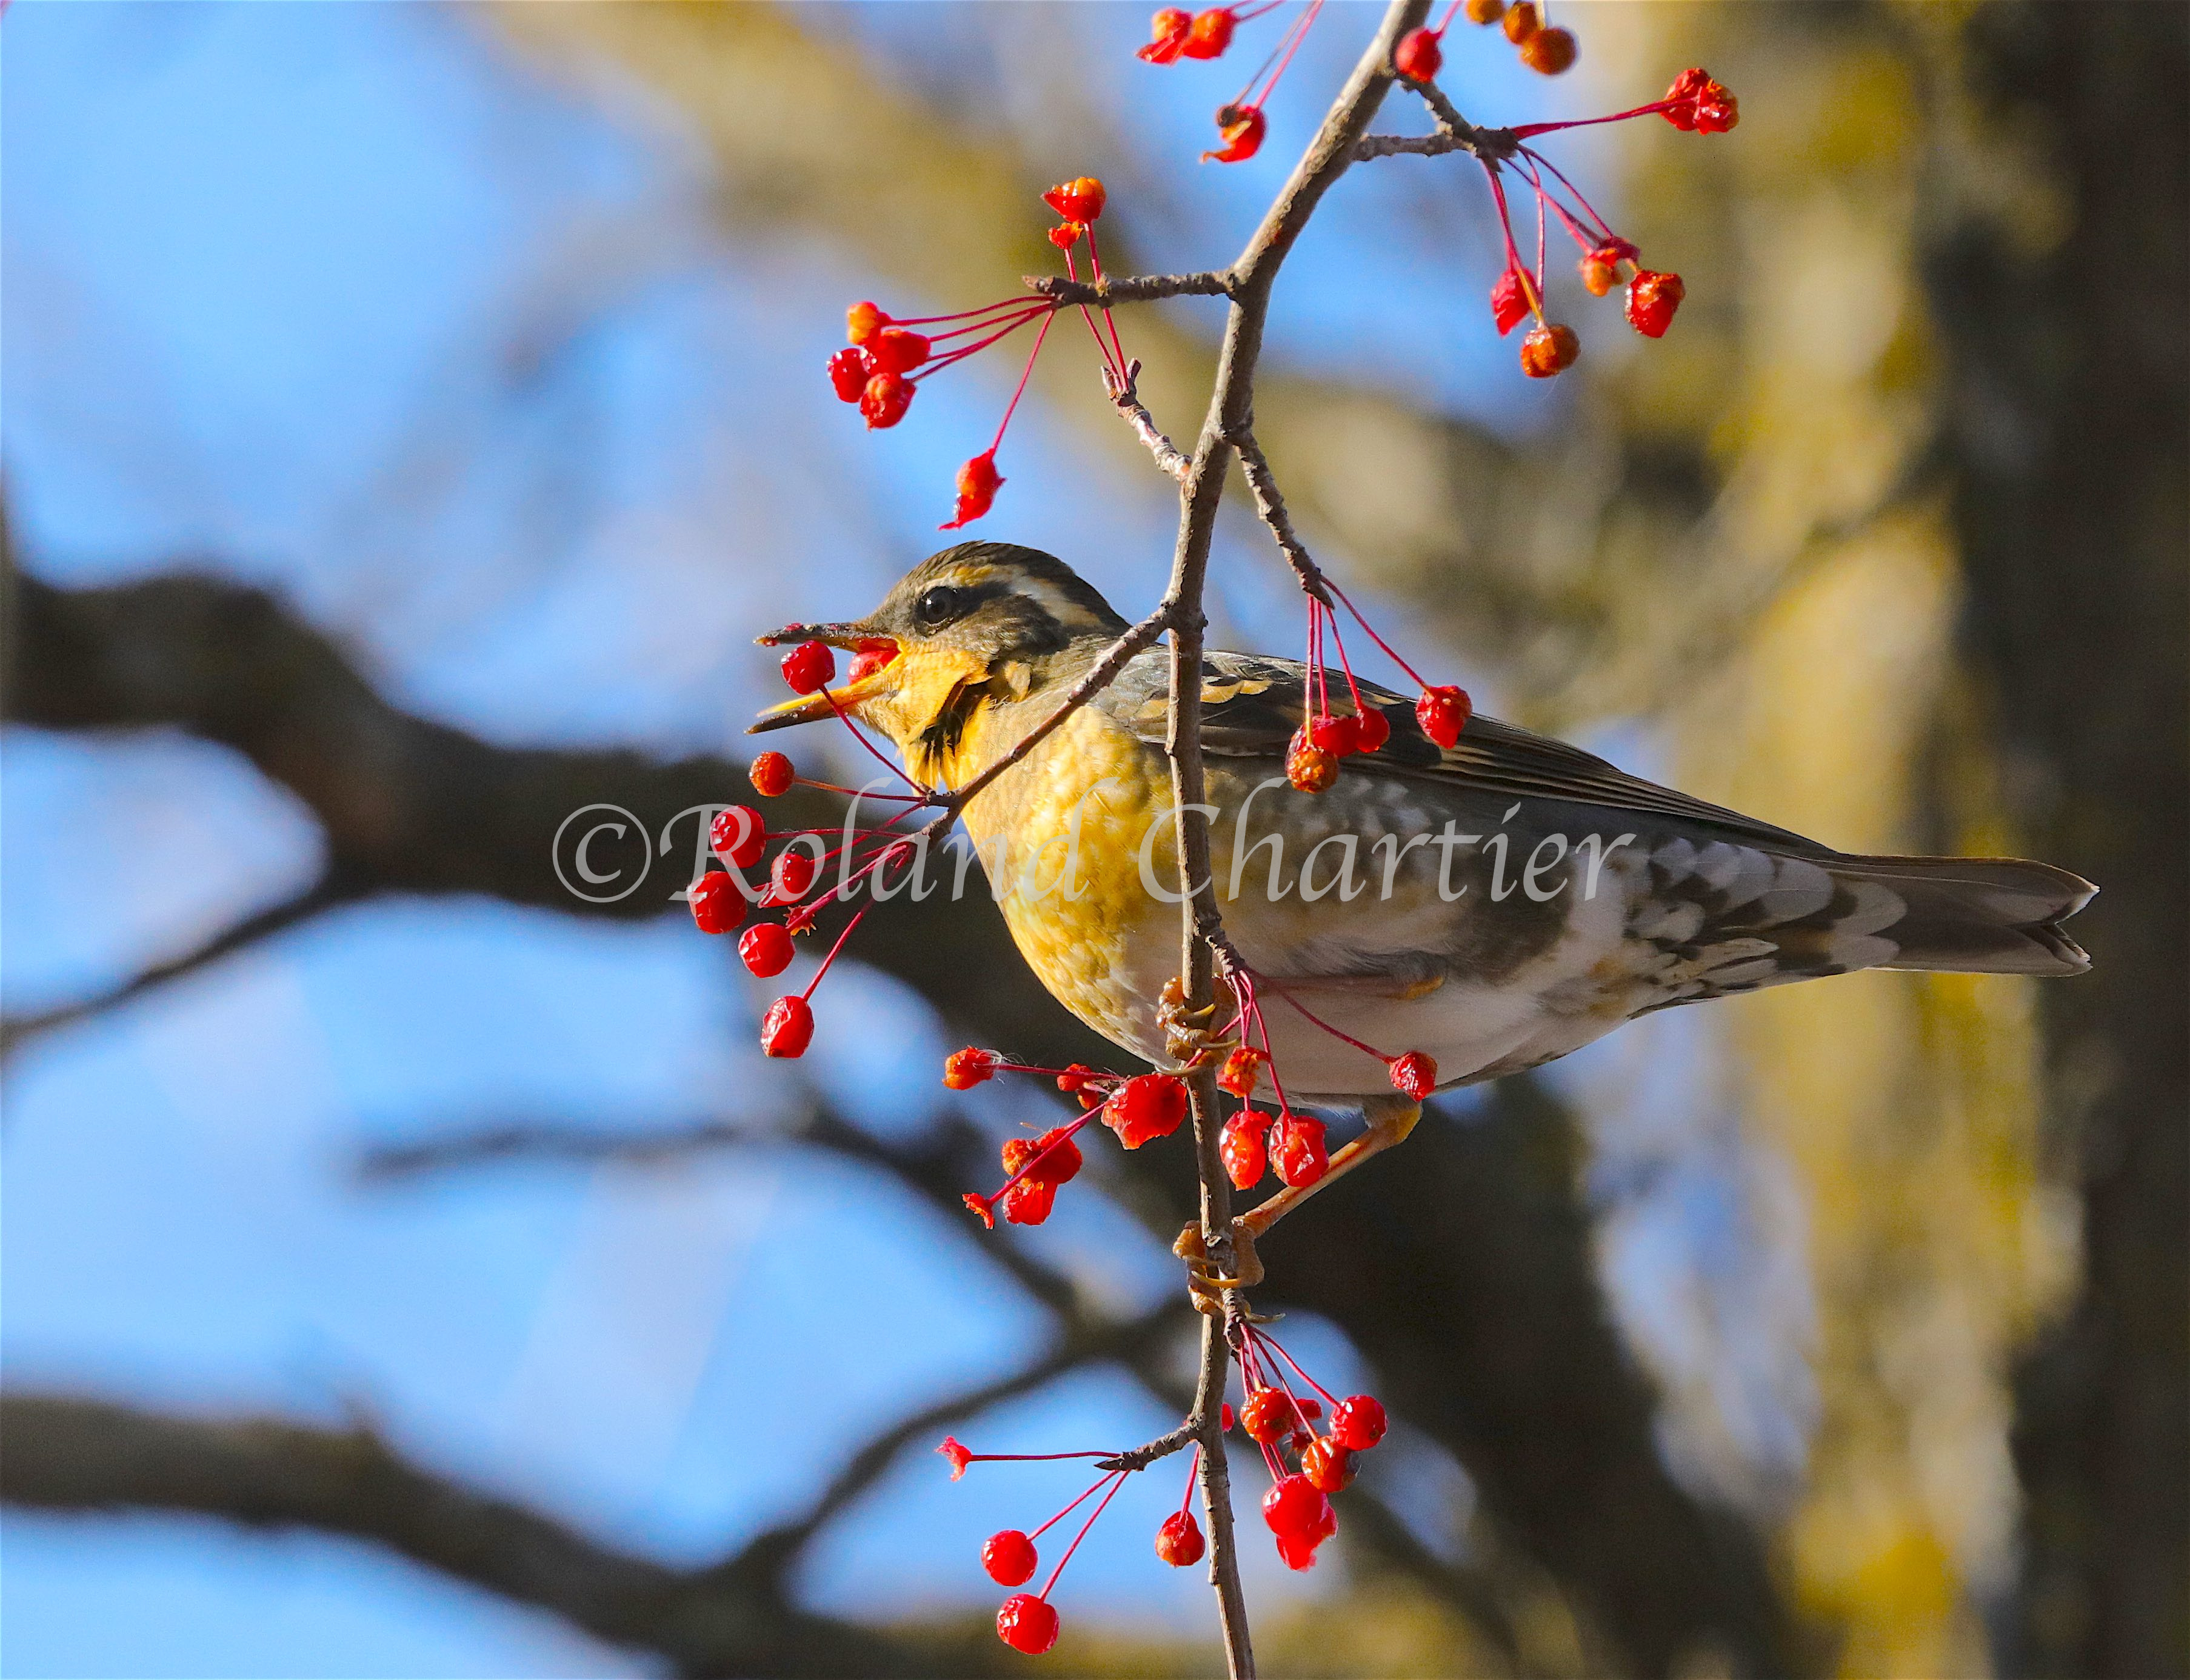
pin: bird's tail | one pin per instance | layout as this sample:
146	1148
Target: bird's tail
1972	915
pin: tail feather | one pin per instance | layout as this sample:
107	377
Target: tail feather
1975	916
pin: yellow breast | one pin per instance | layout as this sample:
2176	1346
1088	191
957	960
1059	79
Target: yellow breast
1065	837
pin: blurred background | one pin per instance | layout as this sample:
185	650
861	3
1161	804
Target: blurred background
410	413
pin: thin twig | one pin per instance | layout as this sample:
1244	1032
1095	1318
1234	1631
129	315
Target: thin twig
1169	457
1270	503
1133	288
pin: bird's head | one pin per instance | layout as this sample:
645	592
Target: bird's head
977	624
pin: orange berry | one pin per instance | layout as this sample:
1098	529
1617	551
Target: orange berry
1484	11
1549	350
1209	33
1079	199
1309	767
1550	52
1178	1541
1328	1466
863	320
1521	21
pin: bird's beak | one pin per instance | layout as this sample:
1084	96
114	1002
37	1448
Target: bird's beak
805	708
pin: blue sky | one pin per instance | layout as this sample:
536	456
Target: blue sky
345	301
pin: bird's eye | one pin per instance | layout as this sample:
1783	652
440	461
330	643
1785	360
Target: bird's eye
938	606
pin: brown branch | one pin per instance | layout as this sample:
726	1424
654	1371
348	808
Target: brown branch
70	1454
324	893
1143	288
1270	503
1231	408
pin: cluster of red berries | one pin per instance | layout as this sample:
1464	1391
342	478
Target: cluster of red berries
1313	755
1420	54
1253	1141
881	369
1280	1420
738	835
1175	34
1261	1139
1139	1108
1694	104
1028	1621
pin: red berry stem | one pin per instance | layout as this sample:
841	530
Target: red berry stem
1064	1136
856	917
1093	1488
1278	1347
1095	261
874	752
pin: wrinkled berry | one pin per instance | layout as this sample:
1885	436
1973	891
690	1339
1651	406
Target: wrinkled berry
1548	350
1309	767
792	877
849	369
1149	1106
807	666
884	401
1327	1464
1415	1075
1080	200
765	949
738	835
897	350
1652	298
1027	1623
963	1069
787	1028
1358	1423
717	905
1297	1152
1009	1558
1269	1415
1178	1541
771	773
1241	1145
1443	712
1509	301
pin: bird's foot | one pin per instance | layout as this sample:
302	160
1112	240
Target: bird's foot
1205	1282
1190	1038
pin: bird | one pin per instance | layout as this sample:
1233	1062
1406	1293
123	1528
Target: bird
1493	904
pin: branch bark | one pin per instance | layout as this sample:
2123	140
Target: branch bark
1231	412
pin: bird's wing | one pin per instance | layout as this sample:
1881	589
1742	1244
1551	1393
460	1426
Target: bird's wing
1252	705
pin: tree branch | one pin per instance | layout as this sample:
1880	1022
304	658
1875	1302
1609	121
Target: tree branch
1143	288
1169	459
69	1454
323	894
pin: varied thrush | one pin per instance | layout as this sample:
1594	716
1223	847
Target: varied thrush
1496	903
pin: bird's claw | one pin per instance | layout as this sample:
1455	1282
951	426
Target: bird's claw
1205	1283
1189	1036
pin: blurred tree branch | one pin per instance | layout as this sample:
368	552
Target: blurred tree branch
725	1618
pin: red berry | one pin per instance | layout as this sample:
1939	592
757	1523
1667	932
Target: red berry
1652	298
1242	127
849	369
765	948
886	399
1030	1201
787	1028
863	320
771	773
717	905
1269	1415
1148	1105
1066	234
963	1069
792	877
1178	1541
1294	1505
1371	729
1415	1075
1549	350
1509	300
1297	1151
738	835
873	656
1167	36
897	350
1521	21
1309	767
1239	1072
979	481
1027	1624
1209	33
1697	104
1327	1464
1443	712
1418	57
1082	1082
1247	1155
1359	1422
1224	1419
1008	1555
1336	735
1550	52
807	666
1079	199
1055	1158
